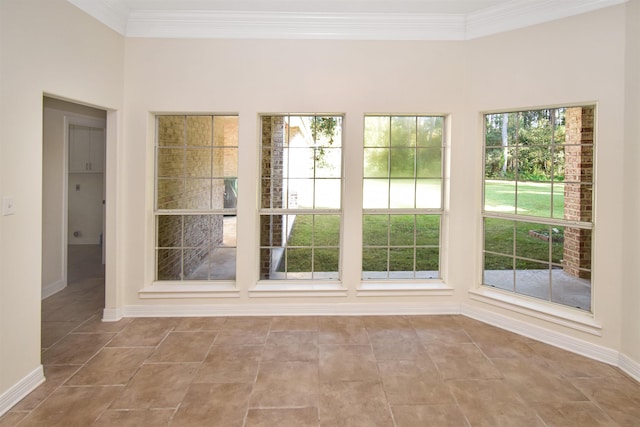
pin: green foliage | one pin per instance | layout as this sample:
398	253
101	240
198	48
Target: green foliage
532	145
403	146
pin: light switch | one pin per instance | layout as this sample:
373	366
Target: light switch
8	205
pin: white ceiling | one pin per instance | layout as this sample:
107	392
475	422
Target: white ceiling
330	19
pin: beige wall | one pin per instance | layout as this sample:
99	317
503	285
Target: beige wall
40	52
631	274
576	60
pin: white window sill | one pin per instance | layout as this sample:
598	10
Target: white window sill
190	290
275	288
550	312
403	288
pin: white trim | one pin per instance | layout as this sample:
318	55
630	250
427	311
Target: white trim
294	25
266	289
557	339
112	314
189	290
20	389
174	23
53	288
630	366
114	14
326	309
507	16
400	288
563	316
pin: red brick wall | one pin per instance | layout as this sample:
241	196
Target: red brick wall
578	192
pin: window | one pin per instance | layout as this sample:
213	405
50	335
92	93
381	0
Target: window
300	210
402	197
196	193
538	199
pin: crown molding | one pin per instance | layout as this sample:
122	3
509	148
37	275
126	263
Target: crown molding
295	25
524	13
220	24
113	13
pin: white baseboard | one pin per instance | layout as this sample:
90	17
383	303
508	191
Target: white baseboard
344	309
53	288
112	314
19	390
557	339
630	366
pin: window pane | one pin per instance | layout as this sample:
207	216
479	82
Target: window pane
169	231
558	200
427	263
377	131
532	279
429	163
430	131
327	162
326	230
225	131
171	130
429	194
403	131
199	131
376	162
302	230
374	260
402	230
326	260
401	259
170	193
500	196
578	200
171	162
402	193
375	193
300	162
534	198
375	230
428	230
570	290
299	193
222	264
402	162
327	194
169	264
225	162
498	235
198	162
299	260
498	271
532	241
197	194
198	230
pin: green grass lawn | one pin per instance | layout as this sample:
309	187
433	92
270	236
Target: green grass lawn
384	236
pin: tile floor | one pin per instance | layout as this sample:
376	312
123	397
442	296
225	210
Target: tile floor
308	371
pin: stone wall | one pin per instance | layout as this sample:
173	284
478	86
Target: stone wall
578	193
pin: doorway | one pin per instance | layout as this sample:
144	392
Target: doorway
74	176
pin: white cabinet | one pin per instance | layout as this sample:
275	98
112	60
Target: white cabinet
86	149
